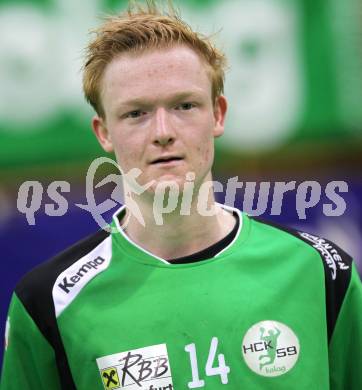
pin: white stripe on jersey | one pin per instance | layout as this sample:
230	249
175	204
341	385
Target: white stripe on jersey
72	280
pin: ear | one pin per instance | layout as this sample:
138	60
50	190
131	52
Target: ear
220	109
102	133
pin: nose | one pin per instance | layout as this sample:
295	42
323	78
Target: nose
163	130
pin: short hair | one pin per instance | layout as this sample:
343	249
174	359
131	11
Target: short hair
140	28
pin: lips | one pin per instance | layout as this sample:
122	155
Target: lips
164	159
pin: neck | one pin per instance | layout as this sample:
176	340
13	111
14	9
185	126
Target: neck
174	234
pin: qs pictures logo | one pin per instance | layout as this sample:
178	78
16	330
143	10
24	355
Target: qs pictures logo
270	348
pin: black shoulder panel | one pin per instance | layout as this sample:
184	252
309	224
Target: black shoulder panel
35	292
337	269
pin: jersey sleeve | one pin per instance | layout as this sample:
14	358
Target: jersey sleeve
345	348
29	360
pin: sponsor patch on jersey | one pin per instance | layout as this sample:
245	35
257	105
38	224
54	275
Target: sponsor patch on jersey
329	253
270	348
145	368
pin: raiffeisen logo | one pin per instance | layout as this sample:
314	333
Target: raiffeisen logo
270	348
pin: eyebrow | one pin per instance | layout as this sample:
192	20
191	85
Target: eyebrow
147	102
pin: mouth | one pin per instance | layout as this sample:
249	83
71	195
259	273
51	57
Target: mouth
166	160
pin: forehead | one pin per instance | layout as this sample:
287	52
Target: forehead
154	74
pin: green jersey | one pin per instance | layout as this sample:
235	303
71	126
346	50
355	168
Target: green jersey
275	309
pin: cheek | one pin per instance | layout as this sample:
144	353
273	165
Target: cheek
125	159
127	152
206	153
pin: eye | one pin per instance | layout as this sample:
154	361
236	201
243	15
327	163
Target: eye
134	114
185	106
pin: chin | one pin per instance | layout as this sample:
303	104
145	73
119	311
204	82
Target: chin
168	182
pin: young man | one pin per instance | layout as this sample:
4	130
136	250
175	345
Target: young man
210	298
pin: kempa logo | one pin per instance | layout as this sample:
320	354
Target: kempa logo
270	348
70	282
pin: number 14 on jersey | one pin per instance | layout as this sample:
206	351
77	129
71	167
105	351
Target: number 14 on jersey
220	369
